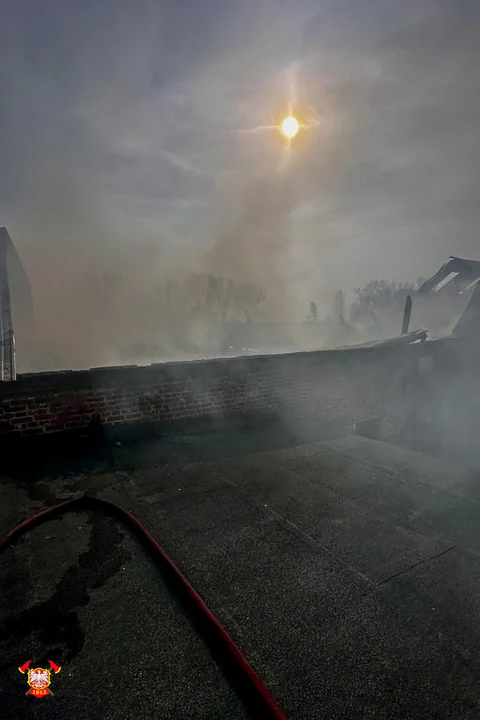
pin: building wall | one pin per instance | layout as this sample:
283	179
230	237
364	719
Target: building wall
341	386
447	401
15	281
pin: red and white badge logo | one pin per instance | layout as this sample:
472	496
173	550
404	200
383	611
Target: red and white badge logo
39	678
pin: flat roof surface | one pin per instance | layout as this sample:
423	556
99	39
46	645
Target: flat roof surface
347	571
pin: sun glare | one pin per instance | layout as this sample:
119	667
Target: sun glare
290	127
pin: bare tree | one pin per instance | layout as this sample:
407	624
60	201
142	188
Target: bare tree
196	292
339	306
312	311
212	297
380	295
222	293
248	297
209	295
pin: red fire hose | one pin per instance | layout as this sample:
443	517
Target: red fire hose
262	699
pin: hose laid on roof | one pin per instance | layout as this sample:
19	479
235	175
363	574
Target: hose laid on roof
216	634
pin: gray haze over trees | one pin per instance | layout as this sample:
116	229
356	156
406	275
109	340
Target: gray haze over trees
129	151
381	295
208	315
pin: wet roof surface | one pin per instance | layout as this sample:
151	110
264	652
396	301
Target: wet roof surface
347	571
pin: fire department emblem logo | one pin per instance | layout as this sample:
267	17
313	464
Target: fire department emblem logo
39	678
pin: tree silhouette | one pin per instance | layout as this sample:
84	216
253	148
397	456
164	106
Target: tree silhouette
313	311
381	295
248	297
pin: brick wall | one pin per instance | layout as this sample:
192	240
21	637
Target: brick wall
340	385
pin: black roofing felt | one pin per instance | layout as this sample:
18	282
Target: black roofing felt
348	572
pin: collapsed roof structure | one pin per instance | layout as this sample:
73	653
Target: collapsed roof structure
456	278
458	283
458	275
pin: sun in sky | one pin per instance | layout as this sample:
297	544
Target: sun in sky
296	117
290	127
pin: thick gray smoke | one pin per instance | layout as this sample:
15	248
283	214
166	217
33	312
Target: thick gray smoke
125	162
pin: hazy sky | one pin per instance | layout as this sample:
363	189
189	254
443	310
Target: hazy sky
120	128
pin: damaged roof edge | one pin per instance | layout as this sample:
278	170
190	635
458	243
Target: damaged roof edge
464	271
